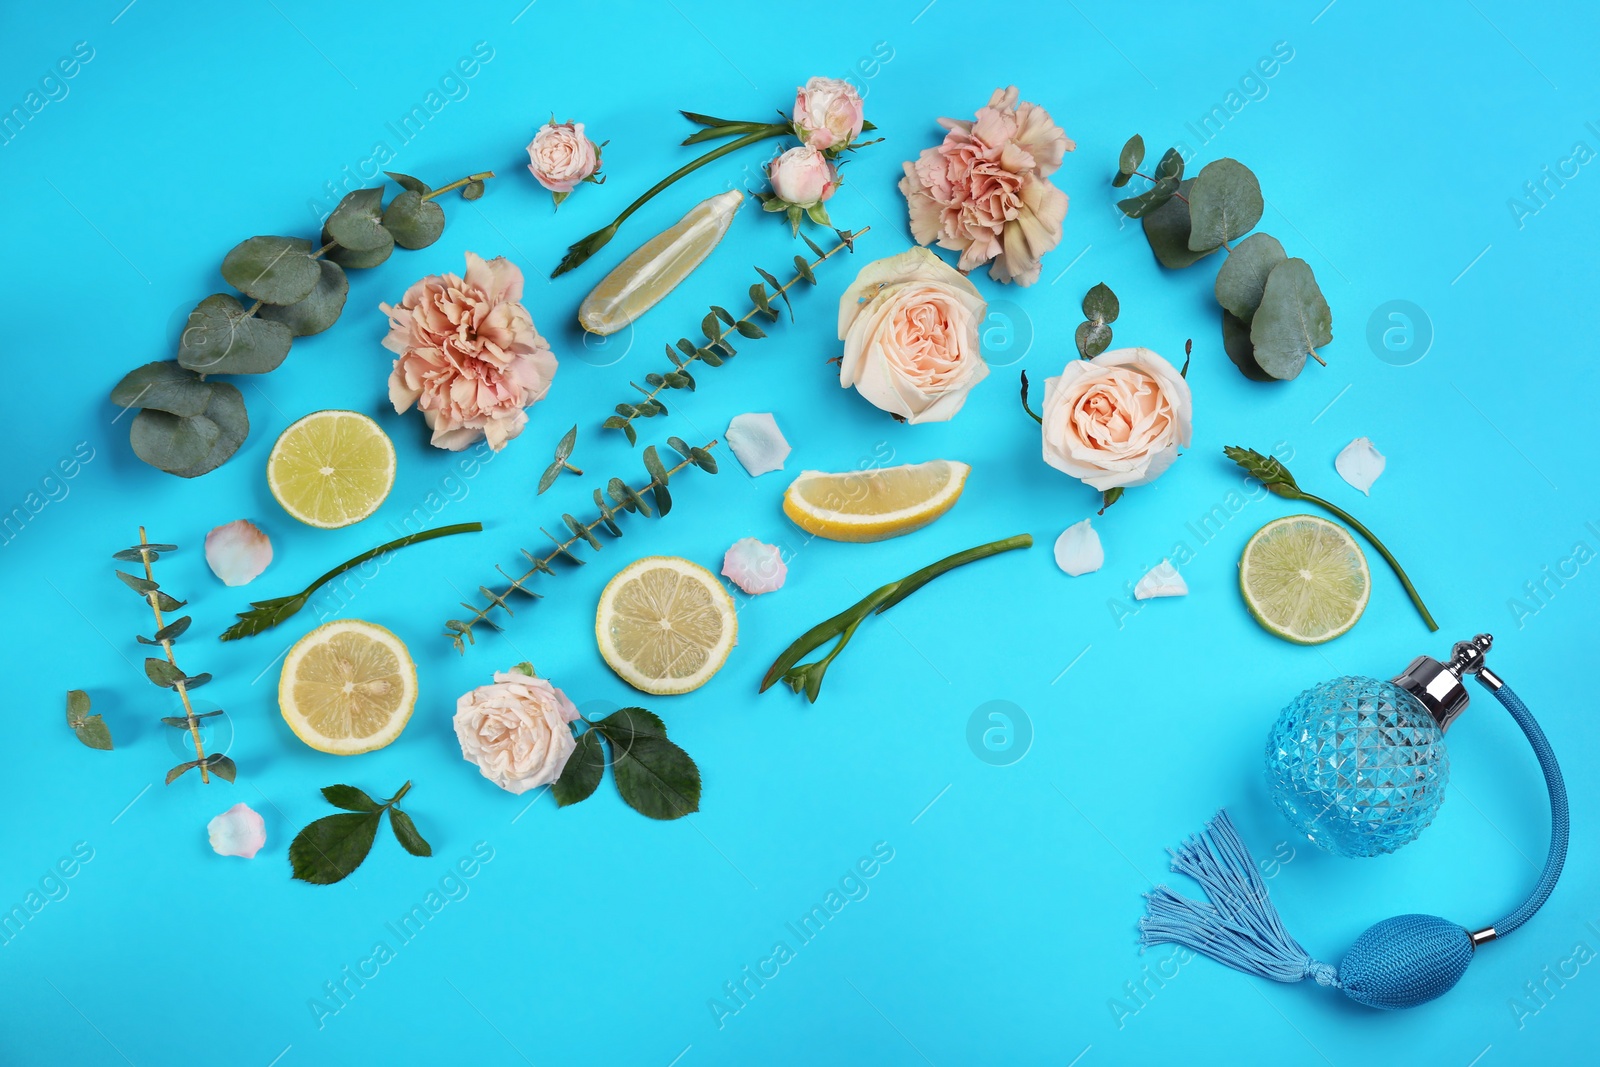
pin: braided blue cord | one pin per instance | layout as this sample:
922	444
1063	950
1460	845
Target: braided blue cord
1560	822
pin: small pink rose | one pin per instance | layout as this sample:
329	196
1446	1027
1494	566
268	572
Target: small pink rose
802	176
516	730
828	113
560	156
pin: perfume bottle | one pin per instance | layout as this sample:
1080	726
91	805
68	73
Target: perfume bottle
1359	765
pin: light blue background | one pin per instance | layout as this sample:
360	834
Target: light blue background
1003	929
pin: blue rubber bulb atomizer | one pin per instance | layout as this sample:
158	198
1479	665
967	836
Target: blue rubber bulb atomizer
1359	766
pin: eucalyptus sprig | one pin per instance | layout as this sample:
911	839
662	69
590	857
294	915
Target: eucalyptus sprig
655	777
1274	315
188	424
1278	481
807	678
165	672
327	850
265	614
623	498
90	729
563	454
718	326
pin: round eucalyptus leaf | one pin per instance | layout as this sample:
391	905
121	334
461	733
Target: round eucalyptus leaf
1137	207
274	270
1170	166
1167	230
1236	342
406	181
1093	338
355	222
226	412
1225	204
320	309
1128	162
220	338
172	442
414	222
163	386
1293	319
1243	275
1100	304
472	190
353	260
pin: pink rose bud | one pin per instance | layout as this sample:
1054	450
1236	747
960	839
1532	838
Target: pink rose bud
802	176
560	156
828	113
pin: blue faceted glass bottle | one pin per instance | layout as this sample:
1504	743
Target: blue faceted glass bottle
1359	765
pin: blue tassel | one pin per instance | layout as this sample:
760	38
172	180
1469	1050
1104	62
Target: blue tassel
1239	927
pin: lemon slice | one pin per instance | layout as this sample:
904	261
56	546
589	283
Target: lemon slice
657	266
332	468
665	625
1304	579
347	687
873	505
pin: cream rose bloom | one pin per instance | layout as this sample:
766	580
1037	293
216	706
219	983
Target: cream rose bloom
909	324
1117	420
516	730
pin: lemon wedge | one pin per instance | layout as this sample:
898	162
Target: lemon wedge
873	505
1304	579
656	267
347	687
332	468
665	625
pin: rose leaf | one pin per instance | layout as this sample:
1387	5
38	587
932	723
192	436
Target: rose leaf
327	850
583	771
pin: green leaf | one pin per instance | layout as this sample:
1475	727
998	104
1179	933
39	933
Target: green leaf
327	850
1109	497
405	831
564	446
1137	207
181	722
703	459
407	182
321	307
1236	342
584	769
137	584
655	777
1266	470
709	326
193	446
802	268
177	772
758	297
220	338
749	329
167	603
1224	204
1132	156
162	673
353	260
77	707
173	630
652	463
349	798
1093	338
1167	230
221	766
415	222
134	554
473	189
1292	321
195	681
90	729
165	385
357	223
1100	304
1170	165
625	724
274	270
1242	278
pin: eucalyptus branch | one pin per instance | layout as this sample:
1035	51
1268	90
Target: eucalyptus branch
807	678
1278	481
623	498
718	326
166	672
265	614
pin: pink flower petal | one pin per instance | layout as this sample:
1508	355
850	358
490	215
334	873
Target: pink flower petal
239	831
754	566
238	551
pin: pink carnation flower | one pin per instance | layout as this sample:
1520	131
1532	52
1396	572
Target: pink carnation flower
469	357
985	190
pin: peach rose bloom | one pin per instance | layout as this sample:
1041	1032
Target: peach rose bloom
909	324
470	359
560	156
1117	420
802	176
516	730
985	190
828	113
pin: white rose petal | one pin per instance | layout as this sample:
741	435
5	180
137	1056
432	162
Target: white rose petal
757	442
237	551
239	831
1078	549
1162	580
1360	464
754	566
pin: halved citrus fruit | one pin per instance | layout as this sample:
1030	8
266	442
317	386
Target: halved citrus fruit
347	687
665	625
872	505
332	468
1304	579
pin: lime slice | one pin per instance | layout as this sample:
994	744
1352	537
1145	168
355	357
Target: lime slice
332	468
347	687
665	625
658	265
1304	579
873	505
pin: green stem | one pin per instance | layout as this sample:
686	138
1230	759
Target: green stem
458	183
1350	520
581	250
397	543
396	798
